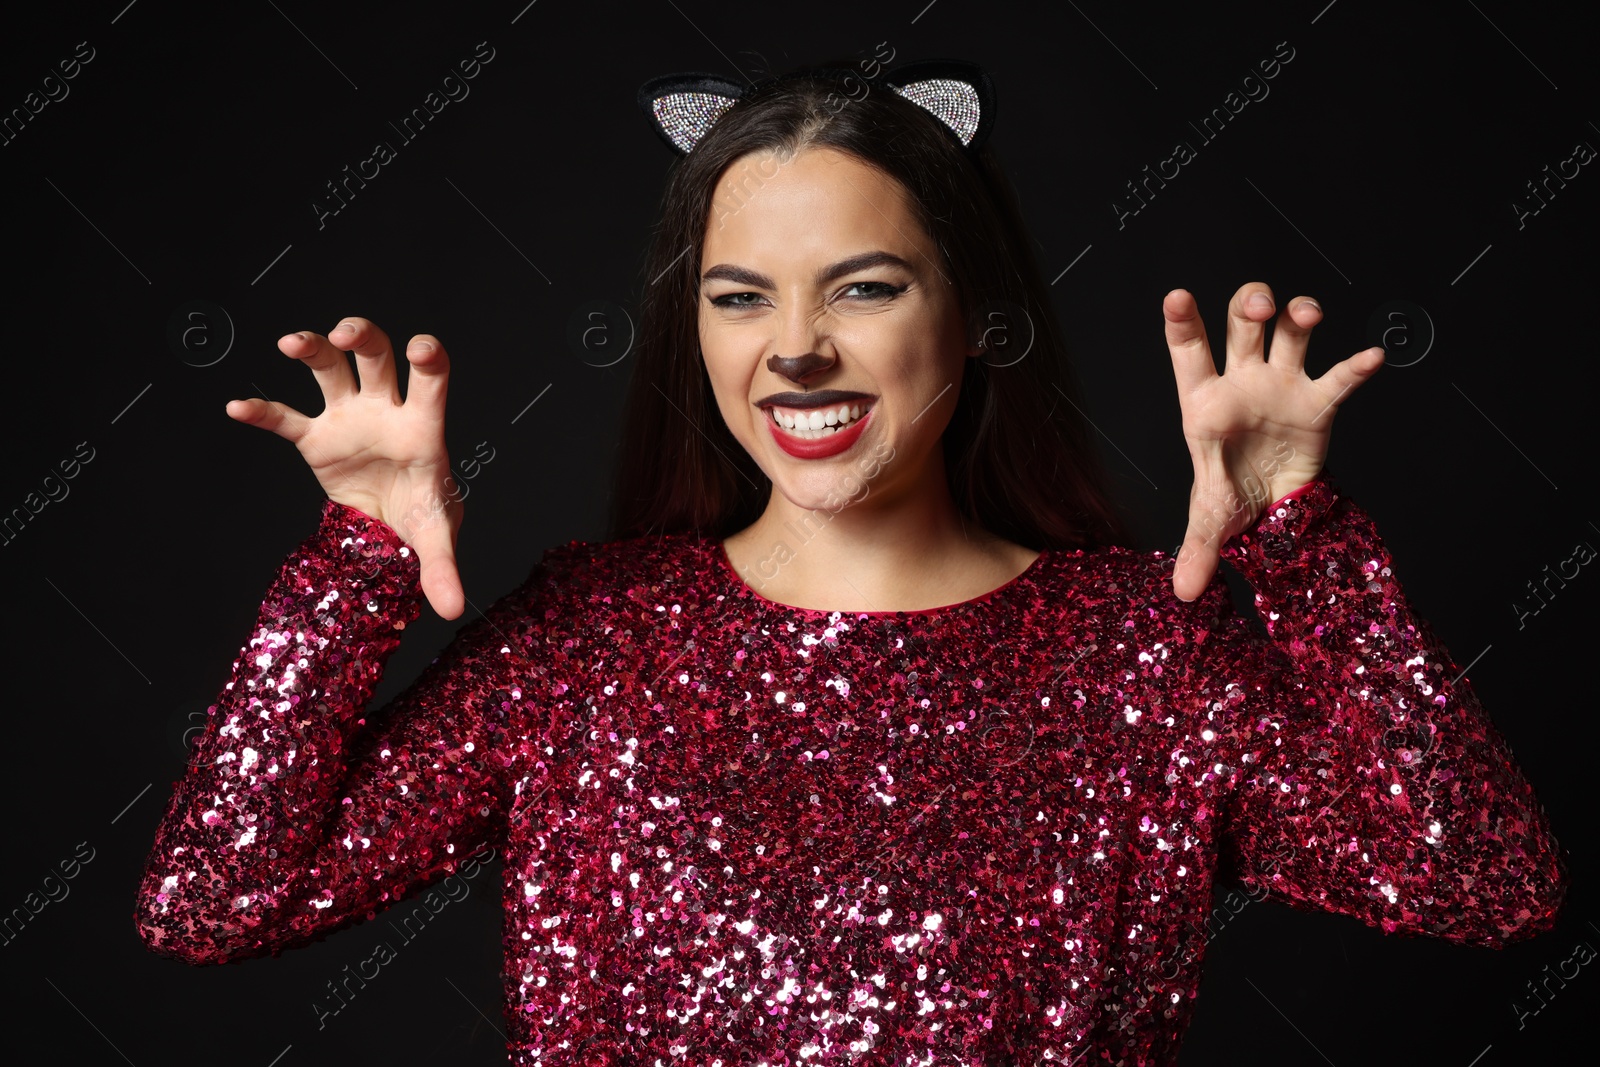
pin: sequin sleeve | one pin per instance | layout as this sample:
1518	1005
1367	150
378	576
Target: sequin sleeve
1364	777
294	817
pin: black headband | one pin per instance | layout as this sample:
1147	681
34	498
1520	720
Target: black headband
683	107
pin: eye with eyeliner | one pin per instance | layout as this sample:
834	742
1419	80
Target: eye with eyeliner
730	300
882	290
879	292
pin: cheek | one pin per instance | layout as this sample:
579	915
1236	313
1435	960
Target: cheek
714	355
730	381
922	365
913	361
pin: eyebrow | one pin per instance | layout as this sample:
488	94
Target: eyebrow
746	276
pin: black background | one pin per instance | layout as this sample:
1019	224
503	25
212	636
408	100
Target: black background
183	166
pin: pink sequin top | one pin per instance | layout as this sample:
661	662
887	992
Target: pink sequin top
744	832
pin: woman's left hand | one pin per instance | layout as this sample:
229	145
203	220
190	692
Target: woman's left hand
1258	430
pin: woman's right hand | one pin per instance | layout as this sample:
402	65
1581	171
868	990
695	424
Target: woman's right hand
373	452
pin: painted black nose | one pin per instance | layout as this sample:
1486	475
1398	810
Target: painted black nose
798	368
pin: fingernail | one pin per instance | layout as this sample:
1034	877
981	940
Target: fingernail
1259	301
348	327
422	348
1309	303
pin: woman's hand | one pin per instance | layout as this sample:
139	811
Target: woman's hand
373	452
1258	430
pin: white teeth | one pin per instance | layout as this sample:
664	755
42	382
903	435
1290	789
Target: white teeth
819	422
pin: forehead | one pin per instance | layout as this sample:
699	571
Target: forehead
817	202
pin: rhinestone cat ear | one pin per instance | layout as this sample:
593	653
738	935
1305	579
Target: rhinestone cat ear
682	108
961	95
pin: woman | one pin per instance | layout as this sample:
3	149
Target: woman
863	738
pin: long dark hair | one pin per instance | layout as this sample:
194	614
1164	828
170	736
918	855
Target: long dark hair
1019	459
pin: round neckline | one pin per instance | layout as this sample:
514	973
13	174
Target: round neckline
720	551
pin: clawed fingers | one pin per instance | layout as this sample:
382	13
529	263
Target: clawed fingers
1192	364
433	534
1292	333
444	593
1343	378
281	419
375	364
1215	513
327	362
429	376
1195	563
1248	313
374	356
1231	420
1252	305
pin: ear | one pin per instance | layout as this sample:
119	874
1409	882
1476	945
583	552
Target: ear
959	94
682	107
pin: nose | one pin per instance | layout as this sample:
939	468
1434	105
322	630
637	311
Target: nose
798	368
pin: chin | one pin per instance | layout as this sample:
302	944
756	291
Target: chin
845	480
832	497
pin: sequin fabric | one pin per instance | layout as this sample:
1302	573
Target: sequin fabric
687	117
742	833
954	103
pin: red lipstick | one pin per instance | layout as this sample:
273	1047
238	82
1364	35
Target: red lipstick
820	447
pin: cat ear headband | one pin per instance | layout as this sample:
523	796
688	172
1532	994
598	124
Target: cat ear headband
683	107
